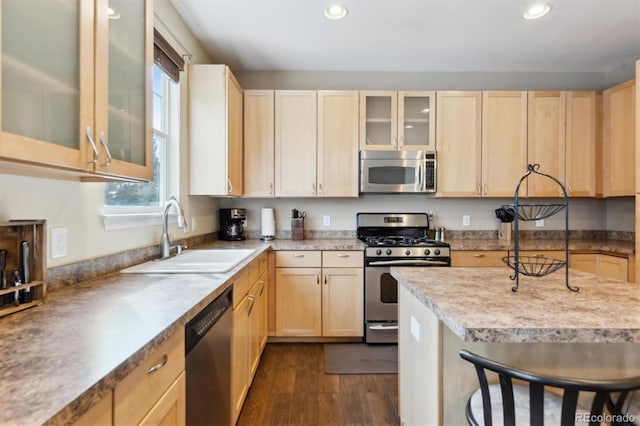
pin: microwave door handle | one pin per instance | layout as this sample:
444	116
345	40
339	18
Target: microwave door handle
420	178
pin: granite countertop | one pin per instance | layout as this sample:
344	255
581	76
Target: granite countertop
600	245
58	359
477	304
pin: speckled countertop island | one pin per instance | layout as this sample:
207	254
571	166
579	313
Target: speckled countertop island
477	304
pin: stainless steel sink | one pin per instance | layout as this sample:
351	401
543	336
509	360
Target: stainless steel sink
194	262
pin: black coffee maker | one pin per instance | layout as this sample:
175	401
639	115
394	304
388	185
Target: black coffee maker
232	223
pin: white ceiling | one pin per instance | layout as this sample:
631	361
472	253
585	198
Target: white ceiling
416	35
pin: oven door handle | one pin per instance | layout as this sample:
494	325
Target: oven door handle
408	262
383	327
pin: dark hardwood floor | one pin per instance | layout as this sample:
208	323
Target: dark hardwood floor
291	388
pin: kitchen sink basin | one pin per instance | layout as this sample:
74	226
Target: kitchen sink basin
194	262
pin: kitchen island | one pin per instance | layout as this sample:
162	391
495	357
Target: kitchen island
592	333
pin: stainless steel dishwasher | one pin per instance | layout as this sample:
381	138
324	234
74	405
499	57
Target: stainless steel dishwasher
208	363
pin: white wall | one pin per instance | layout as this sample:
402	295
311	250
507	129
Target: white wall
77	206
584	214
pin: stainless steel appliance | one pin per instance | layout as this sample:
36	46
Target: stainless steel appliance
208	363
399	240
397	171
232	224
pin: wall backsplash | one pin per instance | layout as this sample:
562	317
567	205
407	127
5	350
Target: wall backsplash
584	213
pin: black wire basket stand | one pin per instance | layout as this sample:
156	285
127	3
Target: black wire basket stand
537	266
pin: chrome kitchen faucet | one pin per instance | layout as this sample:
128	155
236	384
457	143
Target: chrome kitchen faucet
165	241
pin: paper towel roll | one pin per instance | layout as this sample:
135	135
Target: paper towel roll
268	224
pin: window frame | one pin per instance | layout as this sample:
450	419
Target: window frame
121	217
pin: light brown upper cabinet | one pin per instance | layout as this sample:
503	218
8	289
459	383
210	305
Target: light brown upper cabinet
78	100
546	141
215	131
504	142
316	143
337	144
259	145
619	143
459	143
583	115
392	120
295	143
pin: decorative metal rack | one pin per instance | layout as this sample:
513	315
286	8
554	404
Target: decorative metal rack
537	266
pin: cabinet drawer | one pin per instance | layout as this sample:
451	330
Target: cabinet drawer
253	270
241	284
137	393
298	259
552	254
477	258
342	259
264	263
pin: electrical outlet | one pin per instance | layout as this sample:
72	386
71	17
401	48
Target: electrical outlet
540	223
193	224
415	329
466	220
59	242
327	220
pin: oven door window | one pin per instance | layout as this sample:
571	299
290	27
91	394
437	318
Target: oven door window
388	288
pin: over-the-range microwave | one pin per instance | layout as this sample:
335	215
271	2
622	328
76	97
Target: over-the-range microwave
386	172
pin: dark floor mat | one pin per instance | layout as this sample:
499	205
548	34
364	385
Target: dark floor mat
360	358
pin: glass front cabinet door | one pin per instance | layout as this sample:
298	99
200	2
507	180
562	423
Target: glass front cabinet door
72	73
397	120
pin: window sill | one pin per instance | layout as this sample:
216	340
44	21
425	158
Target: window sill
112	221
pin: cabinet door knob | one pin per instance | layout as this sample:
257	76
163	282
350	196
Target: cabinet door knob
325	279
251	299
92	142
229	186
318	278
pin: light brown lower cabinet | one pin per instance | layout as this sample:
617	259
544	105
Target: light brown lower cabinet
249	333
319	293
605	265
154	392
100	414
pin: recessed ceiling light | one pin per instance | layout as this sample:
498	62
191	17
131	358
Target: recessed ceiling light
335	12
537	10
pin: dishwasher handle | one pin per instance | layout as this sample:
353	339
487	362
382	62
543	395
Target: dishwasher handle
198	327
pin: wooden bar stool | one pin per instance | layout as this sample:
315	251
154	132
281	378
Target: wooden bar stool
508	403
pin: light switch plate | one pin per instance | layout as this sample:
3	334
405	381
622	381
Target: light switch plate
59	243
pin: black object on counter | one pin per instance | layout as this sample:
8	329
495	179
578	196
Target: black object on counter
3	274
505	214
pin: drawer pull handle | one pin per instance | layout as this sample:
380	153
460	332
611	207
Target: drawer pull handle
252	300
478	255
298	255
343	255
159	365
261	287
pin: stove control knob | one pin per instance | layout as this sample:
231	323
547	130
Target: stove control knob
427	252
436	252
408	252
378	252
389	252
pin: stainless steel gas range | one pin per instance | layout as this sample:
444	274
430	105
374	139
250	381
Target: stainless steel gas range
399	240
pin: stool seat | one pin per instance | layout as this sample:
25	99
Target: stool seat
510	403
552	406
